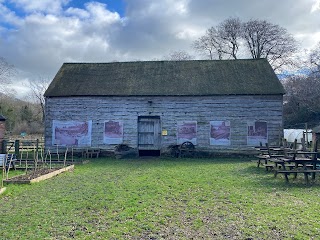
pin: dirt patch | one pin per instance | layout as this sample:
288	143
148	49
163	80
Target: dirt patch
35	174
38	175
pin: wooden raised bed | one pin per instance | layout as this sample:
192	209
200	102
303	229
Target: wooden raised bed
28	180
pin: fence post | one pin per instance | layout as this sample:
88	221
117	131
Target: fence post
37	152
295	144
16	147
307	140
4	147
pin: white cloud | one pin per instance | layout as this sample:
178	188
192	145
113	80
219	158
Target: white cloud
46	6
99	13
145	8
9	16
308	40
173	7
43	42
188	32
77	12
53	31
316	6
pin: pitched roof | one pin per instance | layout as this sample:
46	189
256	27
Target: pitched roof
166	78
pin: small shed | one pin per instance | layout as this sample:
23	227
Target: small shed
228	105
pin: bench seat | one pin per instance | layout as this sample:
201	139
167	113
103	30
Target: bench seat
296	171
269	166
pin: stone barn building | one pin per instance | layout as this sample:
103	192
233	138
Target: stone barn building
228	105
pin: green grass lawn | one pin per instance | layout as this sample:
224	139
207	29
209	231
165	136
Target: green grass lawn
155	198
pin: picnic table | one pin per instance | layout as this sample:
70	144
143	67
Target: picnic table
268	154
307	164
290	161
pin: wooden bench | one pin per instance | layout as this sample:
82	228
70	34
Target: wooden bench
268	154
274	166
90	152
261	159
269	166
306	172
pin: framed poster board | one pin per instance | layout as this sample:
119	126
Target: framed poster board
71	133
113	132
257	133
187	131
220	133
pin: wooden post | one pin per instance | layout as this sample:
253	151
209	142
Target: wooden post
280	135
316	146
303	143
295	144
16	147
4	147
36	154
2	134
315	149
307	137
307	134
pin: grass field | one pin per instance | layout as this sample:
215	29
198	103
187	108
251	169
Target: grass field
154	198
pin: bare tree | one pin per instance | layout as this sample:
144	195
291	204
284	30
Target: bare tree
37	88
261	40
229	32
267	40
315	59
178	56
6	71
210	44
302	102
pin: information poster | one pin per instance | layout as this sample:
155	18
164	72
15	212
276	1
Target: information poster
113	132
257	133
220	132
187	131
71	133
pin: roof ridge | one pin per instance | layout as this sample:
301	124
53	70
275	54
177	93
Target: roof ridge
155	61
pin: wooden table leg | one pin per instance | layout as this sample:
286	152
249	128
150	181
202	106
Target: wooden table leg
306	178
286	177
258	162
314	168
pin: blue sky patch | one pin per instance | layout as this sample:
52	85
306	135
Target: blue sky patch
112	5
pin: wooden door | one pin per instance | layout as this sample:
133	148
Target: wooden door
149	133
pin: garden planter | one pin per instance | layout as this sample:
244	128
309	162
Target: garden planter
38	175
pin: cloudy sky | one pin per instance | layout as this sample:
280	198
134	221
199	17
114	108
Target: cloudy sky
37	36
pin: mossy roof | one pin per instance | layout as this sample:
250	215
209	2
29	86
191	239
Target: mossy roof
166	78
